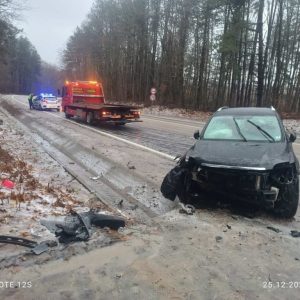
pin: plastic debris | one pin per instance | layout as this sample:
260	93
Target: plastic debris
295	233
6	183
78	226
273	229
187	209
218	239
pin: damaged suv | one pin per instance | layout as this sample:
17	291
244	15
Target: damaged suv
243	153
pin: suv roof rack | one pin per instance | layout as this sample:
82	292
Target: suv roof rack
223	107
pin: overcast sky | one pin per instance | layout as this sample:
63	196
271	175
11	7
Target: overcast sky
49	23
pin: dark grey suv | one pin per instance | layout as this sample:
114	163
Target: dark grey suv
244	153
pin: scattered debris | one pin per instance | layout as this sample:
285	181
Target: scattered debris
102	221
1	122
6	183
130	166
44	246
218	239
134	207
77	226
274	229
187	209
39	249
120	204
7	239
173	182
295	233
36	248
228	226
95	177
51	243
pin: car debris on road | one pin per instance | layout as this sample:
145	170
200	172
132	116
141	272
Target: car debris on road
219	239
36	248
130	166
78	226
295	233
273	229
188	209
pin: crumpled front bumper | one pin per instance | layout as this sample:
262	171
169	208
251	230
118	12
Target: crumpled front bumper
251	185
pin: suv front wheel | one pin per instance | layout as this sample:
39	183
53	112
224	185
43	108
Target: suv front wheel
288	199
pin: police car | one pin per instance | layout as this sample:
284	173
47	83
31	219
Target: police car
46	102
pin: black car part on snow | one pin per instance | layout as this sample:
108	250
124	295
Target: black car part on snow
7	239
173	182
36	248
77	226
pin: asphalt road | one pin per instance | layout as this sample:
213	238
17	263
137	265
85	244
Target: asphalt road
172	136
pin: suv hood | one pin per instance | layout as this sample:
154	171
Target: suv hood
241	154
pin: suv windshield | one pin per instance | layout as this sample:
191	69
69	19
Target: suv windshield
262	128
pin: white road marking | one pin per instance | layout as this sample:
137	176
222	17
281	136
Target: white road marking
165	155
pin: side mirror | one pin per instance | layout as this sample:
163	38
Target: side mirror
292	137
196	135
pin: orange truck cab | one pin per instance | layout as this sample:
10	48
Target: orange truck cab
85	100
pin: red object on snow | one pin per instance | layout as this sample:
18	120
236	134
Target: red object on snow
8	184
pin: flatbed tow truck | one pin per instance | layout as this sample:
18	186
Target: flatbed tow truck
85	100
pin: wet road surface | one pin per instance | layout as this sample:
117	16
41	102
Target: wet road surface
173	136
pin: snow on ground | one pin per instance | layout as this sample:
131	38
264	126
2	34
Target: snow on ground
178	113
42	188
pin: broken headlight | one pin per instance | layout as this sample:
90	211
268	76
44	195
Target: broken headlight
283	174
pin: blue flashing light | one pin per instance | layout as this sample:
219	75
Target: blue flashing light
46	95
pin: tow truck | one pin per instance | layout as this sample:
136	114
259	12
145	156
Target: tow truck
85	100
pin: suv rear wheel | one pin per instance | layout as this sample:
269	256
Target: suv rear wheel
67	115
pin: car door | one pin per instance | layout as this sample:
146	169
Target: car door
36	102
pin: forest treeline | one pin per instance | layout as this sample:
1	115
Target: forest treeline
20	64
199	54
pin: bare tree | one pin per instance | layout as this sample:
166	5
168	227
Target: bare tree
199	54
